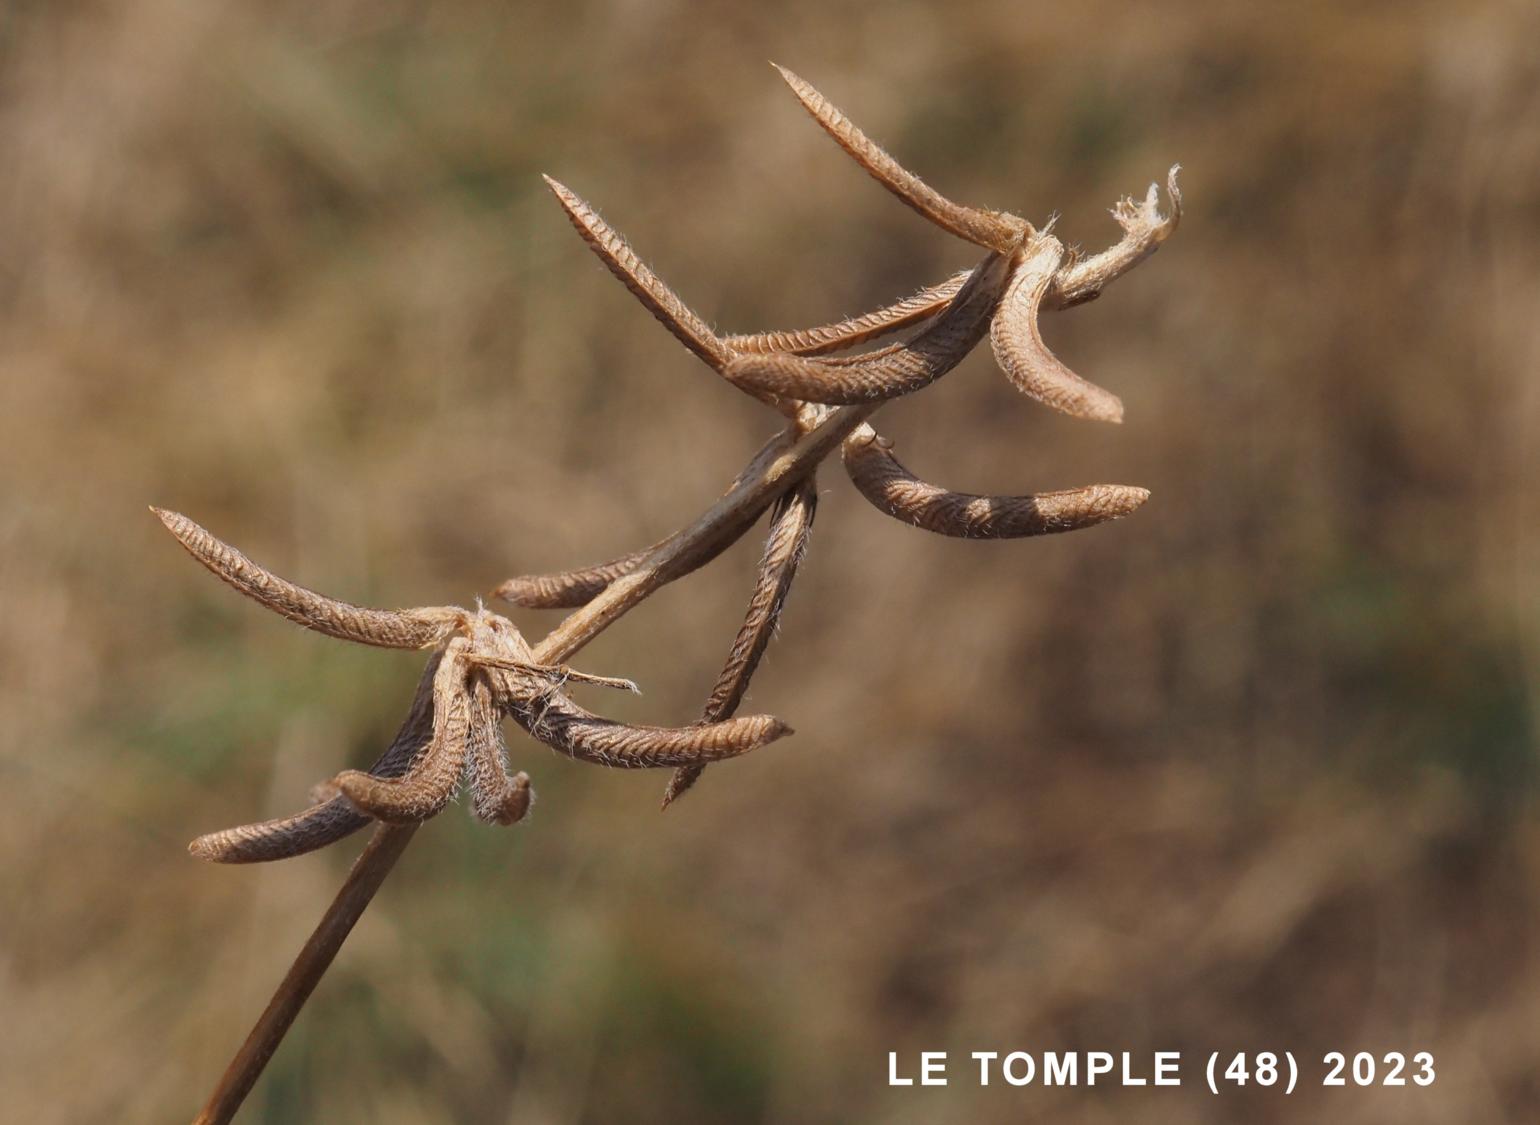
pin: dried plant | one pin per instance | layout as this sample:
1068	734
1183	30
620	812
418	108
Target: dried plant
480	668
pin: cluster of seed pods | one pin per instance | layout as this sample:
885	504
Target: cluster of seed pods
481	669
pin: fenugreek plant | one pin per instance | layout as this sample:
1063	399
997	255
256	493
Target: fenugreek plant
480	669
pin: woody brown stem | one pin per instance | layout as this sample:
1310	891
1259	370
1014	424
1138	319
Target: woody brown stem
369	871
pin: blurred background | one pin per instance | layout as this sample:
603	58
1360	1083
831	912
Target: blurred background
1253	769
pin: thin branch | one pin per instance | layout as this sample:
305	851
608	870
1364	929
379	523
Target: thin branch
570	589
384	849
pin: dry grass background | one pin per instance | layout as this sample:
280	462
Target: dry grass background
1253	769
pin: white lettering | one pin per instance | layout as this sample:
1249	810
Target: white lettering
1097	1063
1060	1070
932	1068
985	1057
1007	1068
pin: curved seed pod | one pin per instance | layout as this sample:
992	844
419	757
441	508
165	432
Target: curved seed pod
898	369
569	589
430	783
1144	229
791	524
497	798
333	818
857	329
664	304
387	628
1031	367
553	718
891	488
288	836
994	230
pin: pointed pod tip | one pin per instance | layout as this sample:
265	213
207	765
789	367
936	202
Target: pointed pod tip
206	848
176	523
1134	497
1121	500
564	195
1108	409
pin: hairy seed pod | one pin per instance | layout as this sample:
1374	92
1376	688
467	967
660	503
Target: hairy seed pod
664	304
552	717
387	628
335	817
898	369
847	333
892	489
569	589
497	797
1144	229
791	524
994	230
430	783
1031	367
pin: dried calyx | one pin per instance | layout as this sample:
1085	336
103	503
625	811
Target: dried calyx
481	669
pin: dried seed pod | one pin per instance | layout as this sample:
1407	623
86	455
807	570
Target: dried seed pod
994	230
664	304
284	838
1031	367
551	717
791	524
335	817
847	333
1144	229
898	369
892	489
497	797
569	589
430	783
387	628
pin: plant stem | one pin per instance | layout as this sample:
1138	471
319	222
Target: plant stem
369	871
767	477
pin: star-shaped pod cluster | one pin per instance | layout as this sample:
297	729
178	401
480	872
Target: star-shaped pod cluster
481	669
